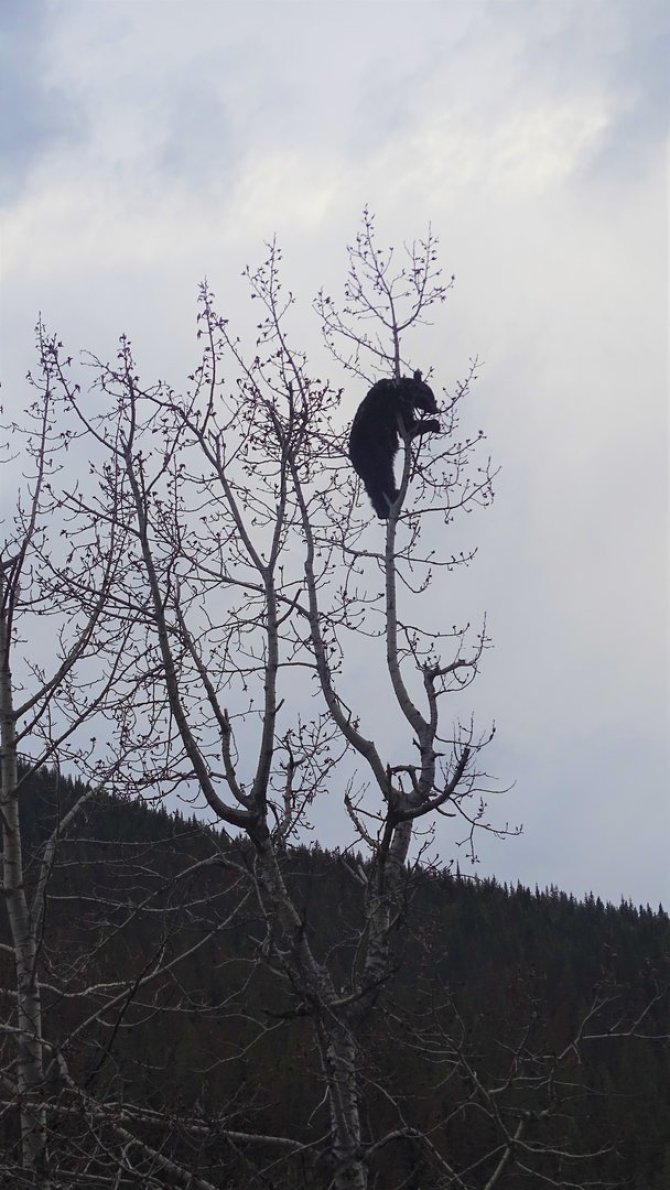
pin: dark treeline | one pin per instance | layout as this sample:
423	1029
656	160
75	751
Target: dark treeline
496	986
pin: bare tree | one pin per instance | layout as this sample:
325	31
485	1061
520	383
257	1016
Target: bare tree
42	706
253	572
72	702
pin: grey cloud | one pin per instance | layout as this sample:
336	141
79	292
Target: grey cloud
640	71
35	115
621	47
199	135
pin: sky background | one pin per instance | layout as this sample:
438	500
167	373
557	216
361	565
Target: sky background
148	144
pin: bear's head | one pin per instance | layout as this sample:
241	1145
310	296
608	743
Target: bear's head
417	394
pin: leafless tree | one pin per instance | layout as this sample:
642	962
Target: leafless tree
42	702
70	703
250	572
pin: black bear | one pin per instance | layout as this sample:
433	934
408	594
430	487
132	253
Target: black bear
375	433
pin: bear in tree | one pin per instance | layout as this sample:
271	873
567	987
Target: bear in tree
387	410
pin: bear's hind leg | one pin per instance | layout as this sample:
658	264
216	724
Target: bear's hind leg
379	483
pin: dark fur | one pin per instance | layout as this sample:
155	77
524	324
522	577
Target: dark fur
375	433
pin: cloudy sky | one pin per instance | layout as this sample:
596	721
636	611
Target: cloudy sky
148	143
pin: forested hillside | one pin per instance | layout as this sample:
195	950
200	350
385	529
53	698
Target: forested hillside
507	1005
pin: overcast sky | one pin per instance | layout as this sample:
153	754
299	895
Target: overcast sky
147	143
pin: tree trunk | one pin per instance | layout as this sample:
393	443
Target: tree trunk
340	1059
335	1037
29	1058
